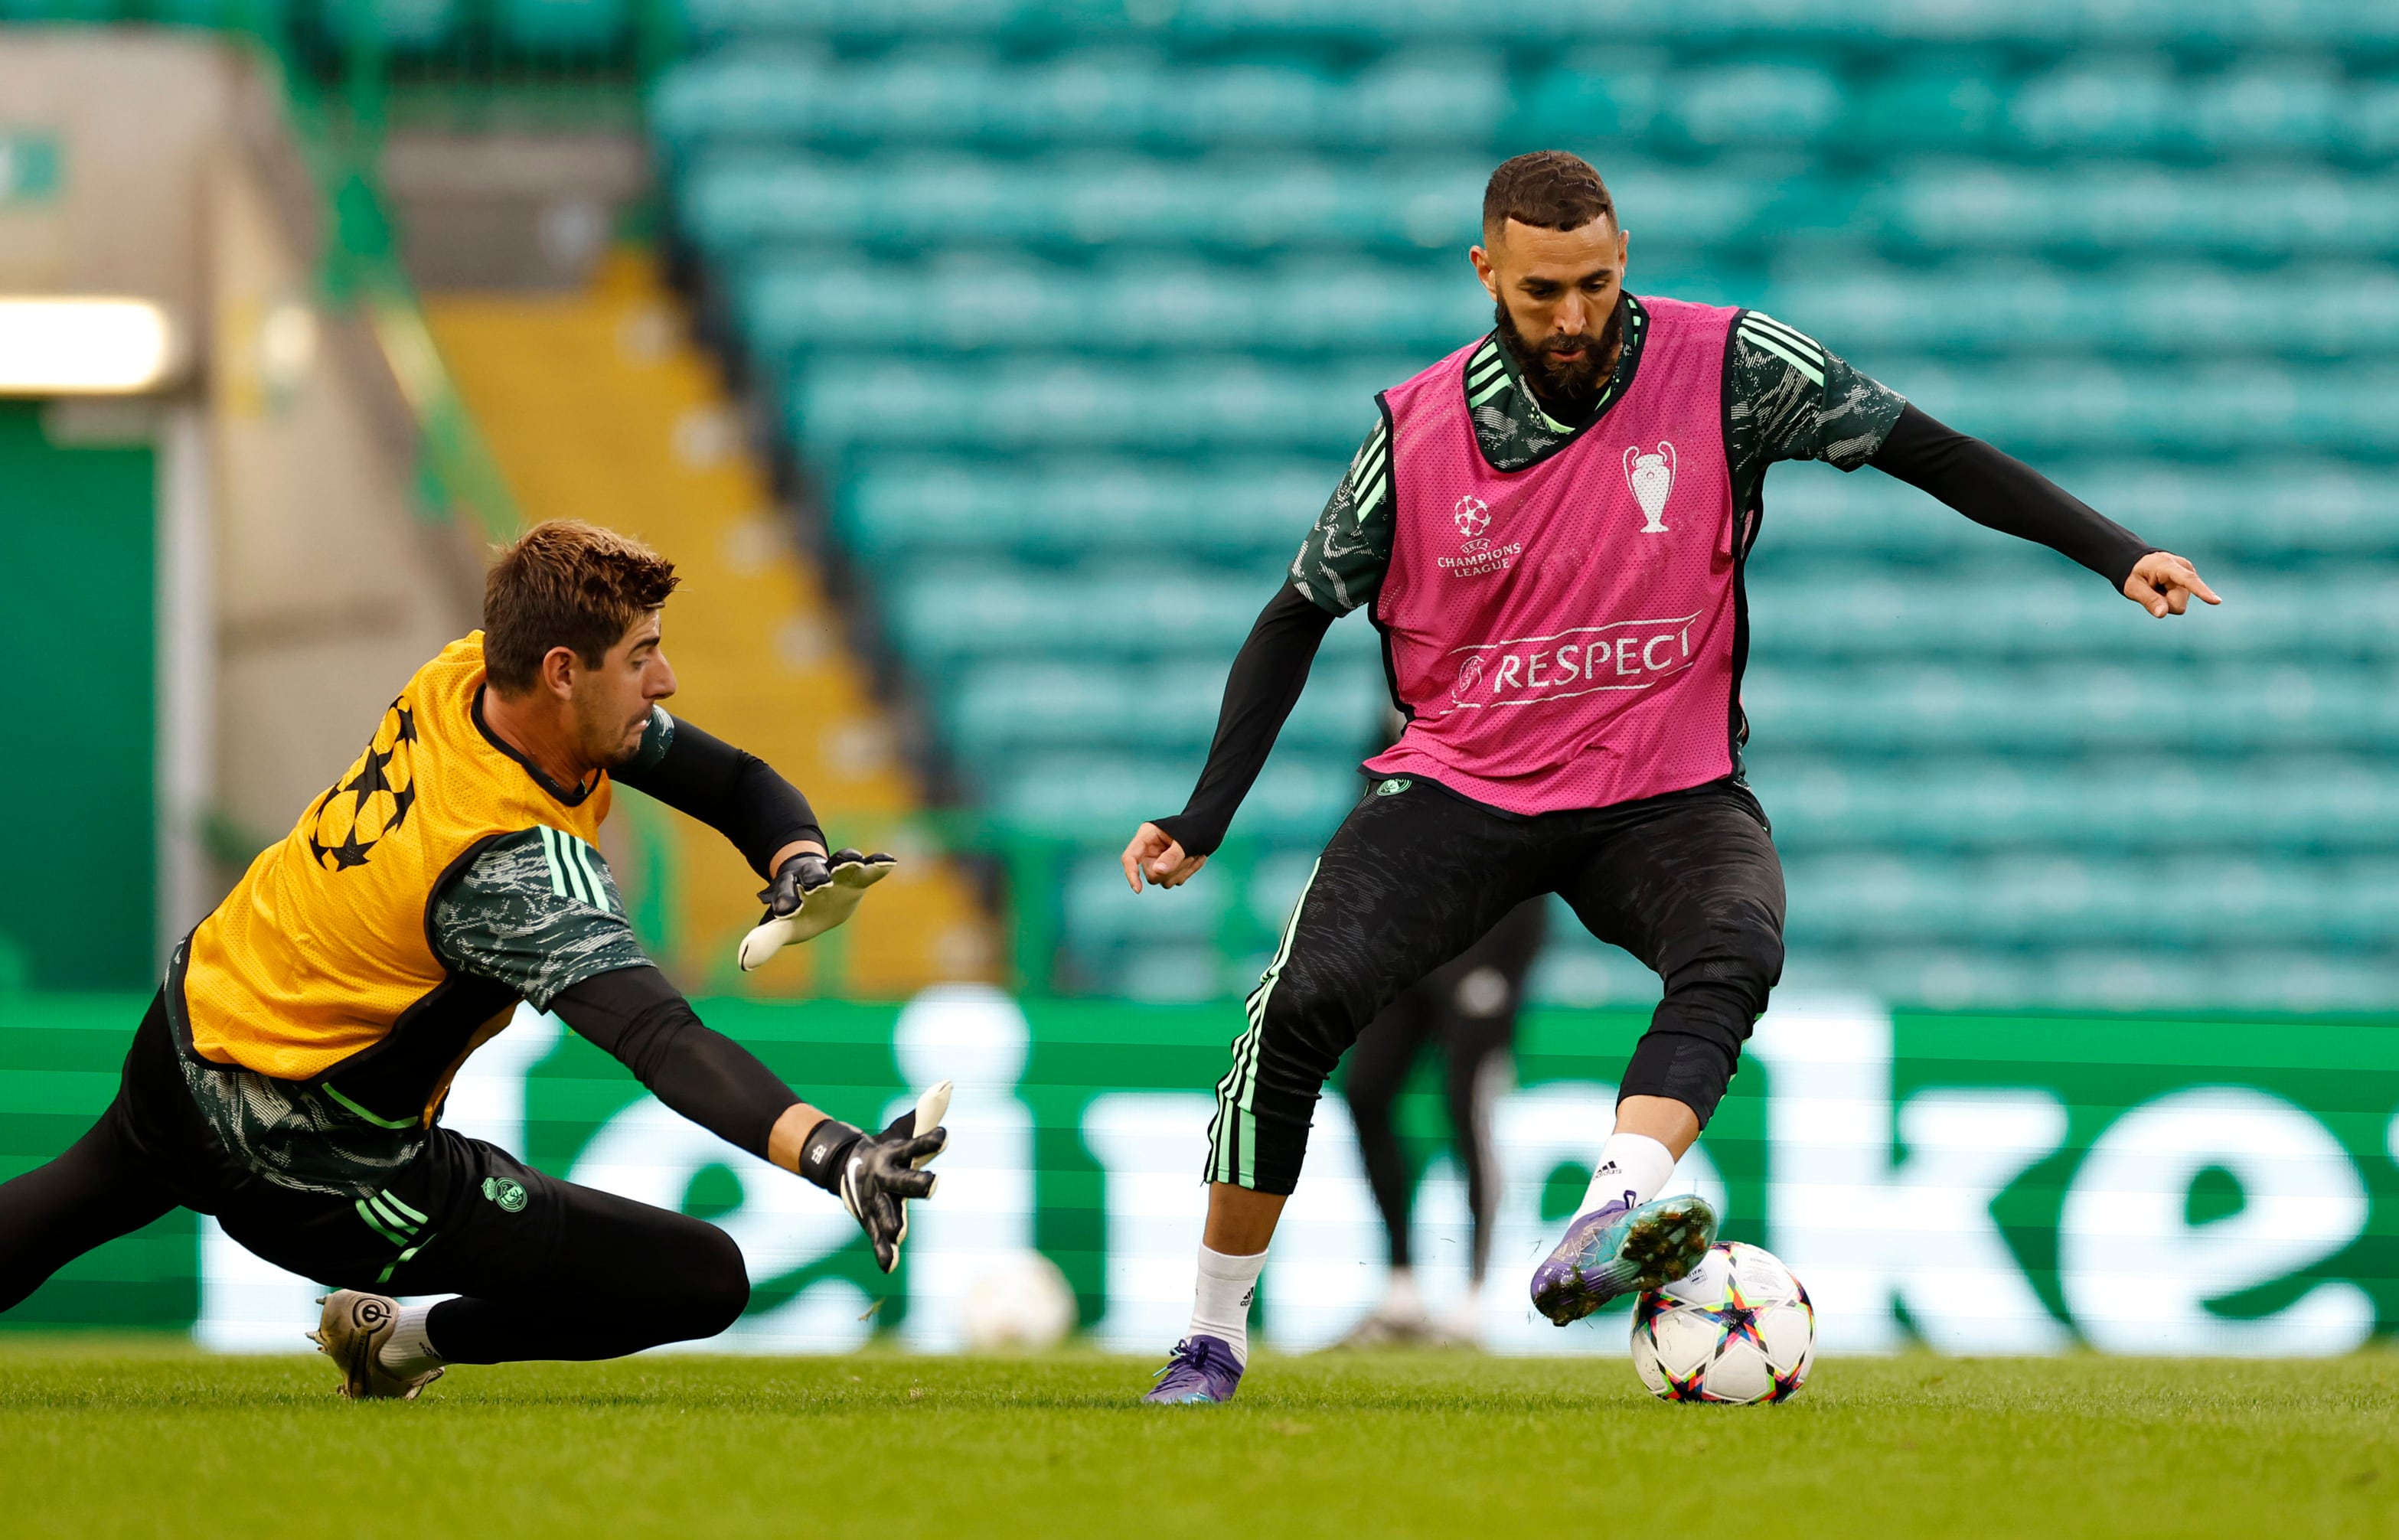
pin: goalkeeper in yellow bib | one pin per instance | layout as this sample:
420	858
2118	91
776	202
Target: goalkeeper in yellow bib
290	1075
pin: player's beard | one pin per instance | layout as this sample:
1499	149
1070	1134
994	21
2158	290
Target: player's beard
1567	390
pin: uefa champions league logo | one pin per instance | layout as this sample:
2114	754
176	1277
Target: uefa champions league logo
1479	554
1651	477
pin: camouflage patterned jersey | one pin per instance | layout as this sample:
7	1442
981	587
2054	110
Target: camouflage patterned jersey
1788	398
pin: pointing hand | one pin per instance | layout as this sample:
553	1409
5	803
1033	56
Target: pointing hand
2163	583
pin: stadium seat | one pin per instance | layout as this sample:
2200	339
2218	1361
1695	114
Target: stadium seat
759	92
1593	96
564	26
1444	98
791	301
1772	104
2273	106
1945	102
1825	801
2110	204
736	197
2104	104
1252	510
1043	402
944	614
402	24
1245	105
1875	25
1001	708
1297	798
1102	96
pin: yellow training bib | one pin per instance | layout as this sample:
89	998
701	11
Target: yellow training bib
321	954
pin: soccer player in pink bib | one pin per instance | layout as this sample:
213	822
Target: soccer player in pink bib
1549	527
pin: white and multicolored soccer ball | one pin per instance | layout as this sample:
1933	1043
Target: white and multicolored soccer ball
1737	1329
1021	1305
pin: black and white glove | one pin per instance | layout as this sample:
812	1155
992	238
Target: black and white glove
875	1175
809	896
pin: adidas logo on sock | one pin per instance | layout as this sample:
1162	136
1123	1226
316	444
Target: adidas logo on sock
1249	1294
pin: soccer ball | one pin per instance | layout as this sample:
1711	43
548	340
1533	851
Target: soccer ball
1021	1305
1737	1329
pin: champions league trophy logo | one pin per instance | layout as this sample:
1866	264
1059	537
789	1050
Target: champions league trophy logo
1651	477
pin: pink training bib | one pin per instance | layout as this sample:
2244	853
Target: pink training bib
1564	635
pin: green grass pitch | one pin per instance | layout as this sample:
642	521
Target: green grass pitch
102	1440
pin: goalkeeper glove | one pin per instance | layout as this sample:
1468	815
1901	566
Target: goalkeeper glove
875	1175
809	896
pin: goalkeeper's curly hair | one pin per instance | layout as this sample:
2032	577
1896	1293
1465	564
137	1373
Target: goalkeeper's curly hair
565	584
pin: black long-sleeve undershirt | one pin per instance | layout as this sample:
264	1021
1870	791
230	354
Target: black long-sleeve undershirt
1988	487
643	1023
730	789
1268	674
2002	493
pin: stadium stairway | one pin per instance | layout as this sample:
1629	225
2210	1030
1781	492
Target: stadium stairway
598	408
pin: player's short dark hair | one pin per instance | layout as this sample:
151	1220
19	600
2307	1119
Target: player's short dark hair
1549	189
565	584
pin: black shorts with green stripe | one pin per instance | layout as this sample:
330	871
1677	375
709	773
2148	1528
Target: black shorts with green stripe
460	1216
448	1206
543	1268
1689	883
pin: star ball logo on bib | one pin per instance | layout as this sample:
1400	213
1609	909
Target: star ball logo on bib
372	799
1651	479
1478	555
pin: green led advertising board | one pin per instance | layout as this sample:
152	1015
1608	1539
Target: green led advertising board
1978	1183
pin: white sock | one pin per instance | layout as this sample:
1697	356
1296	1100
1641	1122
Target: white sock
408	1352
1628	1163
1221	1307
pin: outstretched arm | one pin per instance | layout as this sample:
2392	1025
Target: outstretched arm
1792	399
732	791
645	1024
538	911
1339	567
2004	494
1268	674
808	891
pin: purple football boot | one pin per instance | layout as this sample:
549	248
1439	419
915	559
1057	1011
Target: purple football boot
1201	1372
1620	1248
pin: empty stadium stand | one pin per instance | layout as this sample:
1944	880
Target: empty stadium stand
1074	312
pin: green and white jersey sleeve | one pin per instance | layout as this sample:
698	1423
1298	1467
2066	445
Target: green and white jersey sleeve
538	911
1340	565
1790	398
